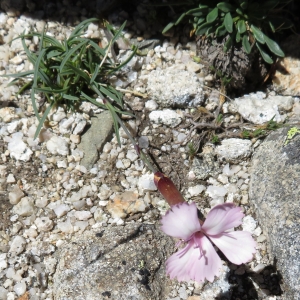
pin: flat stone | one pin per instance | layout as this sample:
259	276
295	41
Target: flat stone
17	245
234	149
116	263
178	88
15	195
205	167
274	191
124	204
95	137
167	117
258	108
24	208
286	79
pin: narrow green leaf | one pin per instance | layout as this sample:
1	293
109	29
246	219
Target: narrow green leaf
19	75
52	53
115	120
100	51
274	47
228	22
80	27
266	57
196	10
92	100
221	30
239	11
42	120
212	16
118	33
31	57
258	34
203	29
106	92
78	71
244	5
134	49
241	26
71	52
69	97
225	7
228	44
95	74
246	44
200	21
238	37
50	90
37	67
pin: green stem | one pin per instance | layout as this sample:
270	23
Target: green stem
140	153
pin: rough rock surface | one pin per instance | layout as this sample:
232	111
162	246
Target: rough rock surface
95	138
260	108
287	77
118	263
234	149
275	192
172	87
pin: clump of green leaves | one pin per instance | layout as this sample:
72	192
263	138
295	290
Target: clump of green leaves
215	139
74	70
191	150
244	22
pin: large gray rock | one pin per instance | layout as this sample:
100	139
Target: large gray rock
275	192
95	137
119	263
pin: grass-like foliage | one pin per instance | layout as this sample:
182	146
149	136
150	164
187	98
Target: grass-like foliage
245	22
74	70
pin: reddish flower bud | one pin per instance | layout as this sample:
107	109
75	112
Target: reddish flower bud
167	188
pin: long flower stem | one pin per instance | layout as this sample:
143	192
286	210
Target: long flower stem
140	153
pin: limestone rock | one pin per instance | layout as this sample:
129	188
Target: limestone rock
205	167
24	208
234	149
95	137
274	191
167	117
120	263
178	88
18	245
258	108
15	195
124	204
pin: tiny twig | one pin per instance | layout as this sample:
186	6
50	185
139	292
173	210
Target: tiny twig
132	92
205	86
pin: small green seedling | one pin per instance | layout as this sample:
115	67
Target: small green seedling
290	135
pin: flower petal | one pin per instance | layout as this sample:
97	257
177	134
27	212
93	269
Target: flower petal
221	218
237	246
181	221
197	261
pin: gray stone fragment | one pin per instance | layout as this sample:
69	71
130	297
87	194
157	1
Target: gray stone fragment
275	193
259	108
119	262
172	87
206	167
234	149
95	137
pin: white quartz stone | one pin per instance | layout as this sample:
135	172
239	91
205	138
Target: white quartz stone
18	245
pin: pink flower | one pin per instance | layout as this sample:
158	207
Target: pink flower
198	260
